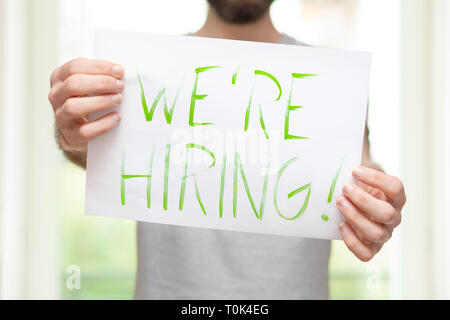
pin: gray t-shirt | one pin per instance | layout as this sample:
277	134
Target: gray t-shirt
191	263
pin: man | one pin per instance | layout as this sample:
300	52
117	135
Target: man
183	263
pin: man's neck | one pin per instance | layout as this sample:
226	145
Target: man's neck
261	30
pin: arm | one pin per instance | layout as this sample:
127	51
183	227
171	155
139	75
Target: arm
78	88
366	157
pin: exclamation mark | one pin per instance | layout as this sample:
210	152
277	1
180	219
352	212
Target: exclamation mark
333	186
235	74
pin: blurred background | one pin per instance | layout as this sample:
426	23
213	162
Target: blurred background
44	235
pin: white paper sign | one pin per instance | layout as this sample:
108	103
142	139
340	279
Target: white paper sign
229	135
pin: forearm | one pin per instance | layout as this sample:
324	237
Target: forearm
366	156
78	158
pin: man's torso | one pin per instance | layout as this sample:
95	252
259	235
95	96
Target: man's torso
190	263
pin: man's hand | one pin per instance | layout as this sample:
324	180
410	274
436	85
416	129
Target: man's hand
372	208
78	88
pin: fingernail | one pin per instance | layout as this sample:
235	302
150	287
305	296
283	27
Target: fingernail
120	85
359	172
117	117
348	188
118	71
343	227
117	99
342	202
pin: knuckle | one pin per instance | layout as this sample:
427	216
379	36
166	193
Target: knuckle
59	118
352	215
52	96
376	193
403	202
352	245
72	84
366	256
71	108
396	187
53	77
100	65
400	218
106	102
106	83
73	66
83	133
104	128
375	175
388	237
389	215
360	196
346	212
378	235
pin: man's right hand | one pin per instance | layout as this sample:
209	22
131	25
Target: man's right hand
78	88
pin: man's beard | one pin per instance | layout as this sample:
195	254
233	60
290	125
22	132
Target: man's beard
240	11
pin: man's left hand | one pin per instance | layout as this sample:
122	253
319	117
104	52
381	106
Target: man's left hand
372	207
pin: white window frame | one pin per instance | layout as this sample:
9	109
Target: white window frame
30	162
425	66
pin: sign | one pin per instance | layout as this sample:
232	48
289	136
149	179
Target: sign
230	135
